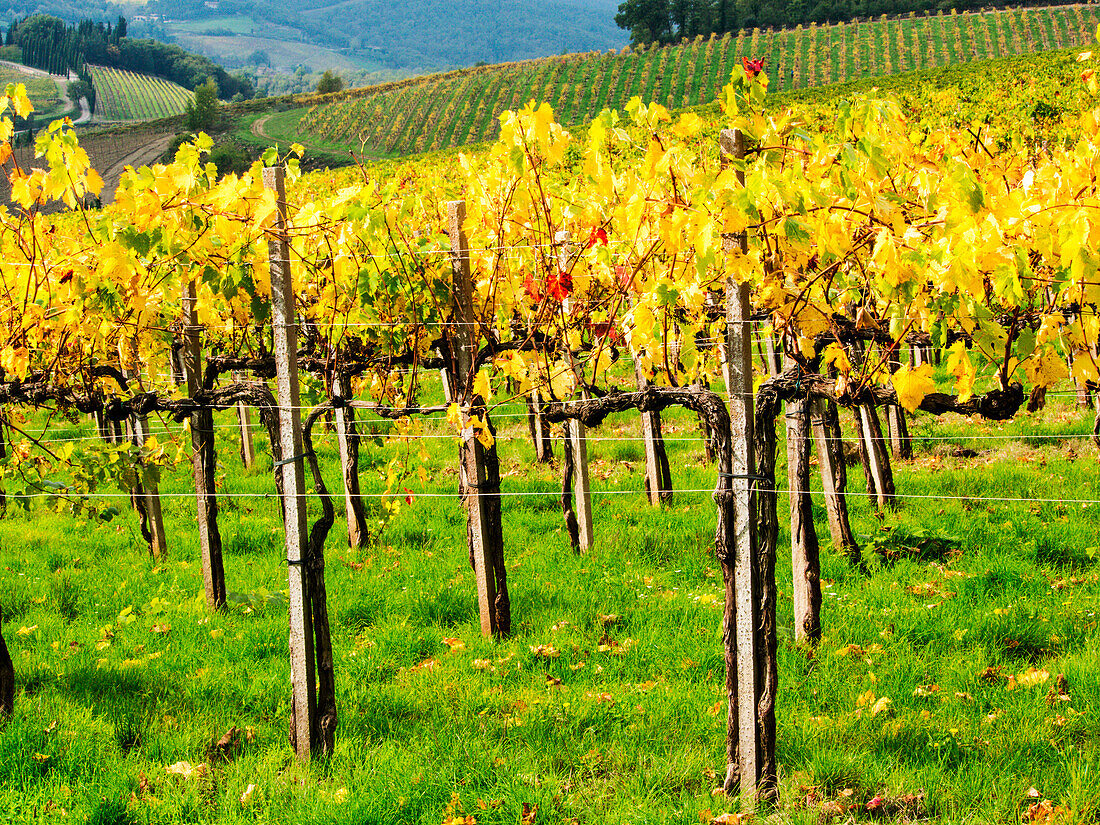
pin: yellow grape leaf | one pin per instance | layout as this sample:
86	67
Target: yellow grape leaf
1046	368
454	417
19	100
1084	370
94	182
959	365
912	385
481	385
865	698
481	432
835	354
15	361
882	705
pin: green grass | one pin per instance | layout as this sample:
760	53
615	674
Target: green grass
42	91
108	700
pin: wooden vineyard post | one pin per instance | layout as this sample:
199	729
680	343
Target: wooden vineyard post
540	434
244	420
304	728
147	487
203	456
750	747
576	435
879	475
347	437
482	474
805	551
900	444
834	476
658	477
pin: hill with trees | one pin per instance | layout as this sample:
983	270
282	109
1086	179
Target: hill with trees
48	43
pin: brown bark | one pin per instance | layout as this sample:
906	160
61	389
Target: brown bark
315	565
767	408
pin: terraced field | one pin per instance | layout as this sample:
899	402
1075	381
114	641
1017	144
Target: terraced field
461	107
122	95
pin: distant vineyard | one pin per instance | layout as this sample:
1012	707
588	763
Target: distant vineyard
462	107
122	95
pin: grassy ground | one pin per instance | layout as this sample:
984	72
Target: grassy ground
606	704
43	91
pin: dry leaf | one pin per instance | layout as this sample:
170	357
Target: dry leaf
1032	677
249	795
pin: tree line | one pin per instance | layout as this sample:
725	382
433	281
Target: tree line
667	21
48	43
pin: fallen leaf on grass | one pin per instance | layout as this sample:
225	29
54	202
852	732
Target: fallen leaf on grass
26	631
161	628
1059	691
991	675
1047	813
852	651
527	817
925	690
1031	677
730	819
454	644
229	740
249	795
545	651
185	770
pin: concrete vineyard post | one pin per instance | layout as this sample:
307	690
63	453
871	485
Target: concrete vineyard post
304	729
751	761
203	456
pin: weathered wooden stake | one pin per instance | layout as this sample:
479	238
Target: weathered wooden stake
805	555
658	476
834	476
540	434
877	456
305	734
482	477
347	437
577	433
750	748
244	420
203	457
900	443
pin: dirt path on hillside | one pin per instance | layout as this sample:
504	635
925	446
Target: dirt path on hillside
258	127
142	156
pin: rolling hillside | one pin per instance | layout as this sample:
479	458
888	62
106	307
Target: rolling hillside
122	95
461	107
